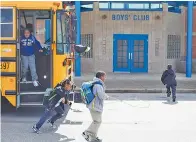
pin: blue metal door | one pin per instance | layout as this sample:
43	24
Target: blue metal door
121	58
139	53
130	53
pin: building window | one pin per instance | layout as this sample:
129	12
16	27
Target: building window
87	6
173	46
87	40
103	5
117	5
6	22
156	6
138	6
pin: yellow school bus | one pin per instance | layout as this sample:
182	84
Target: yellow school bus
54	27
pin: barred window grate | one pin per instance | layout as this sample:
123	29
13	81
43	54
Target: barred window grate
87	40
173	46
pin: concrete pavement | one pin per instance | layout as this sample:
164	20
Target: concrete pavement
140	83
138	118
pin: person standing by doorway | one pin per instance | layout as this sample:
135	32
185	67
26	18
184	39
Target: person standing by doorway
28	44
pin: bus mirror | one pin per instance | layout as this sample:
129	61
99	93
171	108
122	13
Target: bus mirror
80	49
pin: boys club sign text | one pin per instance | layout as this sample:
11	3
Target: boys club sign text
130	17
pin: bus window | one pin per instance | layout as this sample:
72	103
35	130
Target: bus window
6	22
64	32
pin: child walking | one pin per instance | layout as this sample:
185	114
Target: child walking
96	108
169	79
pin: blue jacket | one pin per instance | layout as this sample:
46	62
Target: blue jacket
169	77
27	45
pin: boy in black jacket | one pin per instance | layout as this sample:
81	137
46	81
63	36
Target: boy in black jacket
63	106
169	79
54	104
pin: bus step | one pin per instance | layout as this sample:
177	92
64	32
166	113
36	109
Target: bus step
32	93
26	82
28	97
31	104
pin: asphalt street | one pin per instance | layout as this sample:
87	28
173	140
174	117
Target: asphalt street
126	118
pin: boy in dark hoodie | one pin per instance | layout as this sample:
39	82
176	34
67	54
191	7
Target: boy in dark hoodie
169	79
54	105
28	44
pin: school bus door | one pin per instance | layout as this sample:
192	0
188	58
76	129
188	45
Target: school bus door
61	69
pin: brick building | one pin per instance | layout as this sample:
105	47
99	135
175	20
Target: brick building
135	37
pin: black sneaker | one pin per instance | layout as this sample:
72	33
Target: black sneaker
174	99
35	129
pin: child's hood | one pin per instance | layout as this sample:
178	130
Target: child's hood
97	79
170	71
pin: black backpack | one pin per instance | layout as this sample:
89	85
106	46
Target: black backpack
48	97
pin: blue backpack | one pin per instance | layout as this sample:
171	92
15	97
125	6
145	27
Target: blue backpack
87	91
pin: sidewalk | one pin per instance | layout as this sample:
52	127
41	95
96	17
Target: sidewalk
140	83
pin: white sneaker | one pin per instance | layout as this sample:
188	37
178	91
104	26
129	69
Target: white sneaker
35	83
86	137
24	79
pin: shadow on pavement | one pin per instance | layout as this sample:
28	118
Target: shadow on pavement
24	118
150	97
170	103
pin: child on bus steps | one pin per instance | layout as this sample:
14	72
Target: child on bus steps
28	44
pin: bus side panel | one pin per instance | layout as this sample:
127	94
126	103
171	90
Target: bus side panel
8	72
32	4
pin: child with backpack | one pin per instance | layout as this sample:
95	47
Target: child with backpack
169	79
58	95
65	107
96	107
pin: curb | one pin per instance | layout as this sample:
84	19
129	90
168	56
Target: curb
147	90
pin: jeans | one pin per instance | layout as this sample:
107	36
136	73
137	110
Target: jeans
94	127
29	61
44	117
173	87
59	113
61	110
